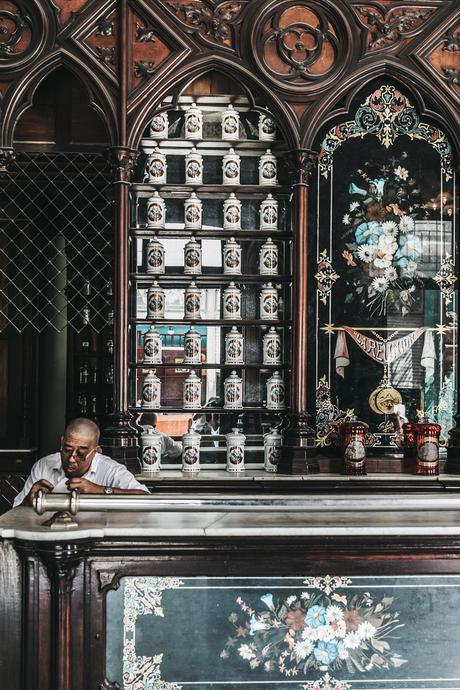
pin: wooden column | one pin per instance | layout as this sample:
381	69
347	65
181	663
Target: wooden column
299	436
61	561
120	439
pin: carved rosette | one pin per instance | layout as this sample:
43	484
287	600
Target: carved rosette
303	45
101	40
123	160
23	32
388	28
300	164
212	21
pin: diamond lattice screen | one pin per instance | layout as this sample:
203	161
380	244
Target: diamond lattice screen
56	242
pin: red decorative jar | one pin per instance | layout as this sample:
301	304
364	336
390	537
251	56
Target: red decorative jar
353	435
426	442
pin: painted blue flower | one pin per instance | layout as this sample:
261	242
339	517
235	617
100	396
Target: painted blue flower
326	652
268	600
368	232
354	189
256	625
316	616
410	248
379	184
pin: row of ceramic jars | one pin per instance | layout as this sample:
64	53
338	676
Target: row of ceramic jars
233	392
156	167
231	259
193	213
193	125
151	451
234	347
269	302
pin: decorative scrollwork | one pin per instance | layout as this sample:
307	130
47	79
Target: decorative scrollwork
106	55
12	26
326	276
214	21
446	278
144	34
300	45
144	68
387	114
387	29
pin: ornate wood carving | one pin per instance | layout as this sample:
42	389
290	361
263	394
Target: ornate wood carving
15	32
149	51
213	21
68	8
7	156
301	46
106	54
444	58
123	160
386	28
144	34
300	164
107	580
101	40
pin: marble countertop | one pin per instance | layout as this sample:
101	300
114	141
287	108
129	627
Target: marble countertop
326	515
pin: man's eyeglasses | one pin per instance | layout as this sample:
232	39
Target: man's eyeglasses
80	455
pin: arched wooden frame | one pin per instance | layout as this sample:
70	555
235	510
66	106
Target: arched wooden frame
100	99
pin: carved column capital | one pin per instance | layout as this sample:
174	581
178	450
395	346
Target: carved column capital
7	156
122	160
300	164
120	440
61	561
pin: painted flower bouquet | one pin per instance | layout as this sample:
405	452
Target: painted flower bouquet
315	631
382	248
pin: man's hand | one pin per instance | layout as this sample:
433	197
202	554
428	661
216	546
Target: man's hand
42	485
84	486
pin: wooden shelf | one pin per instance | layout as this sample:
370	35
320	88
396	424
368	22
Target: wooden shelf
179	279
215	234
209	410
221	365
209	322
214	191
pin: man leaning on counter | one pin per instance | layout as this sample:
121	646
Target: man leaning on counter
79	465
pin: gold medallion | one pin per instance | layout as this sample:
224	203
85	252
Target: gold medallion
383	399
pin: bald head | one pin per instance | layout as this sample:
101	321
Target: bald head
83	427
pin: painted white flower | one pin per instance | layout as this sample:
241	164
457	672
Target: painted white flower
343	652
305	595
380	284
310	634
366	630
334	613
302	649
346	220
391	274
290	600
246	652
254	663
354	205
366	253
401	172
389	227
340	629
410	268
383	261
387	244
406	224
325	633
268	666
352	641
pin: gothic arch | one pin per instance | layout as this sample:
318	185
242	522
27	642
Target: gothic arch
177	82
22	95
419	90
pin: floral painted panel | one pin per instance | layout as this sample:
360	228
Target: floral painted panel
385	277
302	633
